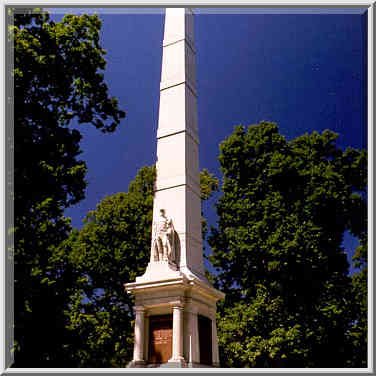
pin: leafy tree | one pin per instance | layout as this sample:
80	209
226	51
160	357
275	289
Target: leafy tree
357	336
208	185
111	249
278	247
58	78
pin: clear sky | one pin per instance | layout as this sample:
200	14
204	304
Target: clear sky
303	69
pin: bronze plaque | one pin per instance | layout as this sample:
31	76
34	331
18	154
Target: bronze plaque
160	349
205	340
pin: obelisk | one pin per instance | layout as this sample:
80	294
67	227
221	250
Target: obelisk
175	304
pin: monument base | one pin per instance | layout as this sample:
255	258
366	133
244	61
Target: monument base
171	364
200	365
136	364
175	363
188	305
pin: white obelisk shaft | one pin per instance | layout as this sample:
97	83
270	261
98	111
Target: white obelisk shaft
178	179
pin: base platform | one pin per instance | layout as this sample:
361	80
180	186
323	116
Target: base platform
134	364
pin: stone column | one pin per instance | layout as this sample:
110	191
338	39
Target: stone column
215	352
146	337
177	333
192	354
139	335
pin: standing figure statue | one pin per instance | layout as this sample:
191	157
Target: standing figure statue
163	240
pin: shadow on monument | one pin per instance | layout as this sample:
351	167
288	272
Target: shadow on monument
177	248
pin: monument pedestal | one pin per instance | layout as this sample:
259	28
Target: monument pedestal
175	320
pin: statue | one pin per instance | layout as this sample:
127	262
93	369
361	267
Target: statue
163	245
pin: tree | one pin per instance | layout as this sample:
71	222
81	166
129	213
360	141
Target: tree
58	77
208	185
357	336
278	247
111	249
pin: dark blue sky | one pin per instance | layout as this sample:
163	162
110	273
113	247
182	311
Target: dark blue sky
304	71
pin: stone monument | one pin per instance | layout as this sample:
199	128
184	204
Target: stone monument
175	305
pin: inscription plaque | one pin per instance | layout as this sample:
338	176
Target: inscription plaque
160	339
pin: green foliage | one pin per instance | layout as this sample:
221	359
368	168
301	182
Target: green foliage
358	334
208	185
267	345
284	209
111	249
57	77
